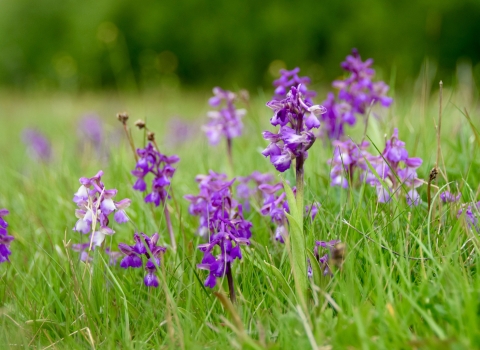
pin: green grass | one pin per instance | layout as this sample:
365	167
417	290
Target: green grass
408	280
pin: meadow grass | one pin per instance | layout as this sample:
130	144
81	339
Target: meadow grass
408	278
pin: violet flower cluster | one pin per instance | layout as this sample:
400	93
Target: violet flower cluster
324	259
90	131
38	145
356	94
152	161
396	170
448	197
5	239
95	205
288	79
245	191
144	246
347	157
227	120
296	117
275	205
471	211
393	167
83	249
221	218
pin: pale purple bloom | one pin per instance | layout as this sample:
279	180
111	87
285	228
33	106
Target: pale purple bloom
356	94
90	131
144	246
179	132
448	197
471	211
227	120
296	117
5	239
324	259
37	144
95	204
160	166
246	192
347	156
287	80
83	249
396	170
90	128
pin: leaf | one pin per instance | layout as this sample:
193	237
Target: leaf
292	204
298	259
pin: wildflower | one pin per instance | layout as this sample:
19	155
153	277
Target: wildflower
246	192
448	197
395	169
356	95
227	120
83	249
214	191
5	239
152	161
221	218
347	156
287	80
144	246
90	131
275	205
95	204
38	145
296	118
325	259
179	132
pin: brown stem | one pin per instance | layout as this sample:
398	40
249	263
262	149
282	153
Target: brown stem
130	141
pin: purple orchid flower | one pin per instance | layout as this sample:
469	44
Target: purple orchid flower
38	145
227	120
448	197
246	192
395	169
95	205
356	95
287	80
347	157
152	161
5	239
221	219
296	117
275	205
144	246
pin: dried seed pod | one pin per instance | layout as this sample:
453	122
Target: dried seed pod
433	174
122	117
338	254
140	124
151	136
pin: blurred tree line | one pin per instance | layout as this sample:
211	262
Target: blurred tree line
77	45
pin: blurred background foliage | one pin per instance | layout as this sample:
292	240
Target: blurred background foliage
135	45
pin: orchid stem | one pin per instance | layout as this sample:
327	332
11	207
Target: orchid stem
299	195
130	141
231	288
170	228
229	152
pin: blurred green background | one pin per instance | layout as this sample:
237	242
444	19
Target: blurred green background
135	45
